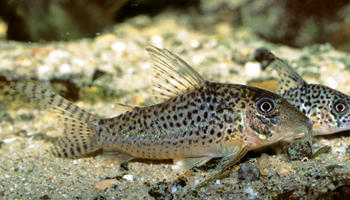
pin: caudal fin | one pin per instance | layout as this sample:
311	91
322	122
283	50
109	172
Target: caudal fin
80	128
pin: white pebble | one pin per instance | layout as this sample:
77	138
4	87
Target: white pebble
43	70
130	70
331	82
223	66
173	189
6	141
196	182
213	43
252	69
55	56
79	62
175	167
182	34
119	47
146	66
197	59
157	41
32	146
194	43
128	177
64	68
250	192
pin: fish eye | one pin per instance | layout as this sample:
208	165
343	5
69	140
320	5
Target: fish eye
340	106
265	106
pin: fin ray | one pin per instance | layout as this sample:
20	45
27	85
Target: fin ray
188	163
172	75
80	135
287	78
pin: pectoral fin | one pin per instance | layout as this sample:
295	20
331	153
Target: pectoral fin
225	164
116	157
185	164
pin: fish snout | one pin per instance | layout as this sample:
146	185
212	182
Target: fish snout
302	128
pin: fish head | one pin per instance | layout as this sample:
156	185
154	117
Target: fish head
270	118
329	110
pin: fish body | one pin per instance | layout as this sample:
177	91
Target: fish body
326	107
208	122
194	120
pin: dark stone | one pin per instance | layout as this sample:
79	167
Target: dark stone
341	192
45	197
181	181
158	191
248	172
100	197
298	150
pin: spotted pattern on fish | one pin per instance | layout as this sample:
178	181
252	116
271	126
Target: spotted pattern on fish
195	120
326	107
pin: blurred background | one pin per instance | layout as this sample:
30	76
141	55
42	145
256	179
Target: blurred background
289	22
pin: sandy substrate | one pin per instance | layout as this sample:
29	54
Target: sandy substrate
220	53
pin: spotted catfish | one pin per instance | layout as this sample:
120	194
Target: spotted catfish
326	107
194	120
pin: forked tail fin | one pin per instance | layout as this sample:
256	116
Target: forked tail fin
80	128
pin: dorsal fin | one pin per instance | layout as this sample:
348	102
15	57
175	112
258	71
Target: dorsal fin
287	78
172	75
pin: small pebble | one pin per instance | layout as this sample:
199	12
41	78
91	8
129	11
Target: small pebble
79	62
250	192
331	82
157	41
7	141
173	189
104	184
285	169
252	69
298	150
43	70
64	68
55	56
248	172
196	182
119	47
128	177
194	44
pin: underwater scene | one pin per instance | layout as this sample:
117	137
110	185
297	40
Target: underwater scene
183	99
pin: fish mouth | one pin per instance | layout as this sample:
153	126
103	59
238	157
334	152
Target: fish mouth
300	132
328	129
